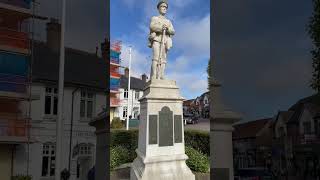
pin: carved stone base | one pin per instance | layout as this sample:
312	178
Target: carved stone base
161	168
161	152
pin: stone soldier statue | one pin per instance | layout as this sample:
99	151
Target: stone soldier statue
160	44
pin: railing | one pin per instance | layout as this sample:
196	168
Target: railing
114	102
115	60
309	138
114	87
19	3
115	72
14	39
14	128
13	83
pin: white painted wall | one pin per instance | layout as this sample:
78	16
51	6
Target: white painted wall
43	130
124	102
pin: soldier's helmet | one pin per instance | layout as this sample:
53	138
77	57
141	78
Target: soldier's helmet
163	1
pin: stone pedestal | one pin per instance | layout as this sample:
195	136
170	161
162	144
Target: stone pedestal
102	132
161	152
221	121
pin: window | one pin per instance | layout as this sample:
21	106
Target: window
51	101
307	127
125	94
48	160
125	112
317	126
137	94
86	104
85	149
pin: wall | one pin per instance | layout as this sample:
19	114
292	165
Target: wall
5	162
43	130
124	102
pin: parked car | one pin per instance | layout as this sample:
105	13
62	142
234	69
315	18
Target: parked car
253	174
190	119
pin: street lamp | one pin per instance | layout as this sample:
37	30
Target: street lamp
129	88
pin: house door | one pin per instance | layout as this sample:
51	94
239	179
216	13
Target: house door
85	164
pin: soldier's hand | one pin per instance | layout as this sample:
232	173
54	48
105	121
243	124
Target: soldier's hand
164	27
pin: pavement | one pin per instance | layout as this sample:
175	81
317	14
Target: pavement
123	173
203	125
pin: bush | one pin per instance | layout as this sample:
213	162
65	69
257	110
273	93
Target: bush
197	161
119	155
199	140
116	123
127	139
21	177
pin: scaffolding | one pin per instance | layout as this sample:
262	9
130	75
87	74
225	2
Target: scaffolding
115	61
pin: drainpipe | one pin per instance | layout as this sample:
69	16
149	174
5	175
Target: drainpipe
71	128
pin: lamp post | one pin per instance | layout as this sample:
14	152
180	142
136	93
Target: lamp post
129	78
59	123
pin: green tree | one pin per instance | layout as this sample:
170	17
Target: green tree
314	32
209	72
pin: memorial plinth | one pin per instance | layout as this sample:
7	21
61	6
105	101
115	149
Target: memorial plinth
221	120
161	151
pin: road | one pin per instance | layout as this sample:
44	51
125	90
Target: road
204	125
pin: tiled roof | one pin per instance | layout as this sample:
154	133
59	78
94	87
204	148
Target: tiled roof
314	99
81	68
286	115
249	129
135	83
188	102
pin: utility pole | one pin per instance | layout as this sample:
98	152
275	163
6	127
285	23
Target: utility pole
129	78
59	123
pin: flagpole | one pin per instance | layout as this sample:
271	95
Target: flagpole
129	78
59	123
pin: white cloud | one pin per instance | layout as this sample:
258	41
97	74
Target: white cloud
140	63
193	36
191	85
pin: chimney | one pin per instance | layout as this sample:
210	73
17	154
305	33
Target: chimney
97	50
105	49
144	77
126	72
54	35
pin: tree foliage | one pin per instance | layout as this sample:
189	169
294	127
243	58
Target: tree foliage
209	72
314	32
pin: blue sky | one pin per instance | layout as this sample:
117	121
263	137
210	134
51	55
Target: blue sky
187	60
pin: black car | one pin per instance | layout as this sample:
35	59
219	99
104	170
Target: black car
190	119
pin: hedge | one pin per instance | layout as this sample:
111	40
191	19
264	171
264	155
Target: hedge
127	139
199	140
197	161
119	155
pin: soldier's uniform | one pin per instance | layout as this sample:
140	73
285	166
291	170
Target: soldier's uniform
155	37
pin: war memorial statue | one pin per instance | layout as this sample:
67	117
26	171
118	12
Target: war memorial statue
160	40
161	148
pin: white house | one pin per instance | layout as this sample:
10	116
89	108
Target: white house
132	97
84	98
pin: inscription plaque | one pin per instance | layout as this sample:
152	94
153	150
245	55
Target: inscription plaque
153	129
177	128
165	127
